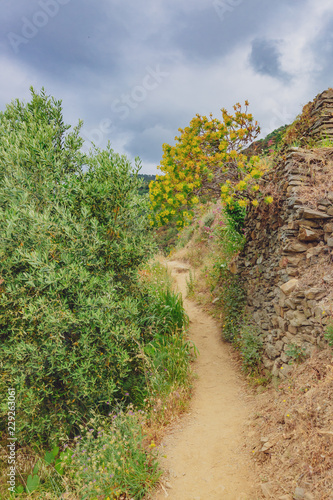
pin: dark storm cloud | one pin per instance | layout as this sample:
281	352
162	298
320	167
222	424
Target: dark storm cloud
63	37
265	58
135	71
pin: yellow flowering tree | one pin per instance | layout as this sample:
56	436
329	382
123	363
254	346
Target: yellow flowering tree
206	159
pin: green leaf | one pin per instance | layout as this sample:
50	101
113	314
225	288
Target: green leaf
55	451
32	483
49	458
58	466
19	489
36	468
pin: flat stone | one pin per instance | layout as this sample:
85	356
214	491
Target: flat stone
296	247
330	242
267	446
328	228
308	213
299	319
267	490
308	223
294	260
315	293
299	493
308	235
324	202
289	287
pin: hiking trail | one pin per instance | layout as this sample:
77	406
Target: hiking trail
205	458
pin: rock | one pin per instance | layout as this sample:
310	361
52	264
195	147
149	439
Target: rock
330	211
284	357
330	242
295	246
267	446
294	260
328	228
215	300
299	319
271	351
309	496
282	324
308	223
267	363
267	490
285	370
308	213
289	287
308	235
279	345
299	493
324	202
315	293
290	303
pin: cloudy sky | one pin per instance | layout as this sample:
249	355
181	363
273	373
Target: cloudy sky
136	71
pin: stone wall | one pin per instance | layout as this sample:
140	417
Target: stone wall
287	262
321	116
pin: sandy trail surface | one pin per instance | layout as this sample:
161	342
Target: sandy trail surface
203	454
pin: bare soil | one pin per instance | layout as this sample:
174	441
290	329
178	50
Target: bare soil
204	454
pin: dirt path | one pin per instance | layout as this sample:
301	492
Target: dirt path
204	455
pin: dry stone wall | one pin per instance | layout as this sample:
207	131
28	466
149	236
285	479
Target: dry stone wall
321	116
287	265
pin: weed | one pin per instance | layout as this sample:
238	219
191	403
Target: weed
190	284
295	352
184	236
110	458
250	346
329	334
208	219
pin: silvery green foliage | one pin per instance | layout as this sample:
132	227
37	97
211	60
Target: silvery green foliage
73	231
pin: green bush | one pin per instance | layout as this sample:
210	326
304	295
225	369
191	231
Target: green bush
70	303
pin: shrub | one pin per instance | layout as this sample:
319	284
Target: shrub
207	154
70	303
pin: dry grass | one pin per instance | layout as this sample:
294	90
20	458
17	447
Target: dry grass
292	436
